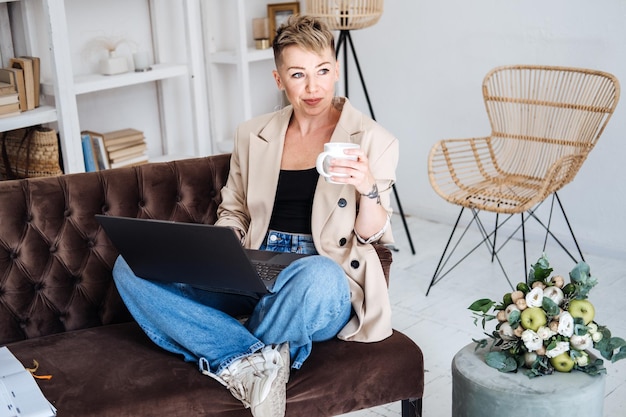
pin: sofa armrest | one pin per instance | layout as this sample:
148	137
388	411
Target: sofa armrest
385	256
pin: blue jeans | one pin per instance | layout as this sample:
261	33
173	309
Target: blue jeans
310	302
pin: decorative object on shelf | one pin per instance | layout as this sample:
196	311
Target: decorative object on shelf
278	13
346	14
261	32
141	61
29	152
547	325
113	62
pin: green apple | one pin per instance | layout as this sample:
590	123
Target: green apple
563	362
582	309
533	318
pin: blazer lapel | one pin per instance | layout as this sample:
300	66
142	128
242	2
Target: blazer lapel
265	152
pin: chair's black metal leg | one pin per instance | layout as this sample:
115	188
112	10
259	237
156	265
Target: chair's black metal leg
490	245
495	235
445	250
524	247
569	226
556	239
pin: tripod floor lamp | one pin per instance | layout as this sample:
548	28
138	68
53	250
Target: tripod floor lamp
344	16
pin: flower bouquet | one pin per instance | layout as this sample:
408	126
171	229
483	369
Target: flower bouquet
547	325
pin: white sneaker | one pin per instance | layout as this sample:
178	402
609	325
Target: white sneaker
259	381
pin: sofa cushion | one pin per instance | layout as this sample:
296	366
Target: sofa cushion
115	370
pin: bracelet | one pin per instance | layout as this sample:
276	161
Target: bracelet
373	194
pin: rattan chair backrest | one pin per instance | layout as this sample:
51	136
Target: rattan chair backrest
540	114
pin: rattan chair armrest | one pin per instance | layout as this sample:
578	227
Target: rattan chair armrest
452	159
562	172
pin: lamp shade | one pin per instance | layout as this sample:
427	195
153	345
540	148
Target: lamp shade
346	14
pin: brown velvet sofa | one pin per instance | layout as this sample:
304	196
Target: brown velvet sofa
59	306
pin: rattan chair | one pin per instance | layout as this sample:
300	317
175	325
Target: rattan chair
544	121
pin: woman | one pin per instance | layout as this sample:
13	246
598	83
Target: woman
275	200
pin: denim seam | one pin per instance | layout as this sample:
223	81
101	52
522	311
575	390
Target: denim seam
229	361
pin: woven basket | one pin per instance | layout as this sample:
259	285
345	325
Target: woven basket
346	14
29	152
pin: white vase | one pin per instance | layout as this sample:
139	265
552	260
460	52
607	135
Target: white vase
113	65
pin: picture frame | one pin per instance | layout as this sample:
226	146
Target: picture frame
278	13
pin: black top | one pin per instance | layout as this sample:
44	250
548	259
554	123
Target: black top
294	201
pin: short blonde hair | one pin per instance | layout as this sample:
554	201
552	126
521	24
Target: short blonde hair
307	32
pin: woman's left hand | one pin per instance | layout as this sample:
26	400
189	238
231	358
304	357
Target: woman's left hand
356	172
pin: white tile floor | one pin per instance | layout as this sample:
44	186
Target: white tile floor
441	324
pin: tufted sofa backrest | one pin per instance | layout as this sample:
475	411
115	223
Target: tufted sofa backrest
55	259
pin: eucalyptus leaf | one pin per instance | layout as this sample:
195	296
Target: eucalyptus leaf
550	307
514	317
501	361
582	279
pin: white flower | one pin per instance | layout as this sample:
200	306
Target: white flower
581	342
545	333
583	359
532	341
535	297
592	327
555	294
561	347
506	331
596	337
566	324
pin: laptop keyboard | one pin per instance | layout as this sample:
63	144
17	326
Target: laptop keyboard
266	271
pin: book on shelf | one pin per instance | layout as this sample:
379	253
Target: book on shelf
11	109
93	147
9	99
26	65
137	160
7	88
88	153
102	158
122	136
36	76
15	76
133	150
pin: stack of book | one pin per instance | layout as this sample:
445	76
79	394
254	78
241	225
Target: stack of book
19	86
119	148
9	100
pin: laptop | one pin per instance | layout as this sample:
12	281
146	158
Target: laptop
204	256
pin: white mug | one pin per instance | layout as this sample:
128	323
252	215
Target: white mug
333	150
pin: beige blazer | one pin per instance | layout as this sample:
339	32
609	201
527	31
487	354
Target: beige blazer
248	199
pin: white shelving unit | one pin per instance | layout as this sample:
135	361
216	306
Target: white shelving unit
66	88
240	75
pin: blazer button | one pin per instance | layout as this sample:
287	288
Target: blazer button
343	241
342	202
355	264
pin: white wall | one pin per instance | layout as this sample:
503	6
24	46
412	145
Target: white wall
424	63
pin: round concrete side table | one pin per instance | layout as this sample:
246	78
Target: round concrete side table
481	391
